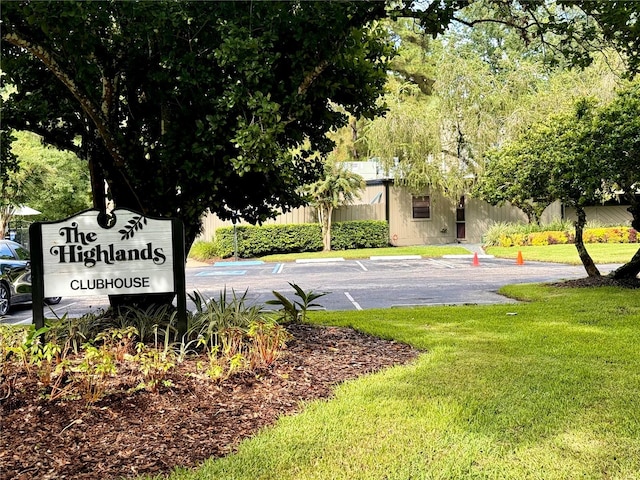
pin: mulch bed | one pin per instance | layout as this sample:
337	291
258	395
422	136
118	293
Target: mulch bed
128	434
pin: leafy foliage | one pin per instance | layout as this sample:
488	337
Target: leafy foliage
60	184
475	87
184	106
338	186
510	235
296	310
577	158
203	250
614	137
215	316
232	335
256	241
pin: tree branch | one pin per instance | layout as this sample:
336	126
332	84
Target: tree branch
311	76
86	104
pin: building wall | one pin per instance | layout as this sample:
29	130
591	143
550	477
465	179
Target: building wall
441	227
609	215
370	206
480	216
403	229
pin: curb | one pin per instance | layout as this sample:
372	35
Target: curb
320	260
396	257
468	256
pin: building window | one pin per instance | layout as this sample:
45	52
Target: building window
421	207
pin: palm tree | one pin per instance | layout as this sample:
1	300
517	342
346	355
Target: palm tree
339	186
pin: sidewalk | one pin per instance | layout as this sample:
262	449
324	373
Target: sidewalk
474	249
191	263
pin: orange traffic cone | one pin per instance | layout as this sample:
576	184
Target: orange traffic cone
519	260
476	262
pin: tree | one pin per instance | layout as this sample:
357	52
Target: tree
614	137
575	176
20	183
64	186
452	98
184	106
339	186
8	165
577	158
544	164
517	173
53	182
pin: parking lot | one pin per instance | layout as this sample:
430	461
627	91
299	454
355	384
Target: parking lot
384	282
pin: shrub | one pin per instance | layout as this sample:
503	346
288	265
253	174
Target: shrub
558	238
547	238
256	241
510	234
267	239
607	235
359	234
202	250
539	239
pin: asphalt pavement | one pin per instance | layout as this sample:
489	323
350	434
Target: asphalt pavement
376	282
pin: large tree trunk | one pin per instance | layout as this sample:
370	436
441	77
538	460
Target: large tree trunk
630	269
586	259
5	217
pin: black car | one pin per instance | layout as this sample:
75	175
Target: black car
15	276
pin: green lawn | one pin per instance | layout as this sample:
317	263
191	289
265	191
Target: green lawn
547	389
600	252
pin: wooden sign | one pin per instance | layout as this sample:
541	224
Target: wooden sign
79	257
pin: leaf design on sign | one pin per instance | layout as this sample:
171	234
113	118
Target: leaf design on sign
133	225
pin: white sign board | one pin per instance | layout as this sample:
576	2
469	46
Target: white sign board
134	256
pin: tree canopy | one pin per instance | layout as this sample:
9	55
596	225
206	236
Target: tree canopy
186	106
579	157
452	98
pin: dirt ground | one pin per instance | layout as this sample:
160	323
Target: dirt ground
127	434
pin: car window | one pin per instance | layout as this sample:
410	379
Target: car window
22	253
5	252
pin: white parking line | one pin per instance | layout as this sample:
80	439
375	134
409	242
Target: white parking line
440	262
61	307
22	322
355	304
362	266
395	257
29	319
320	260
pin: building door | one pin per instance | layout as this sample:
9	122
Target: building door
460	222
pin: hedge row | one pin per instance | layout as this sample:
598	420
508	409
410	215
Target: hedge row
254	241
591	235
